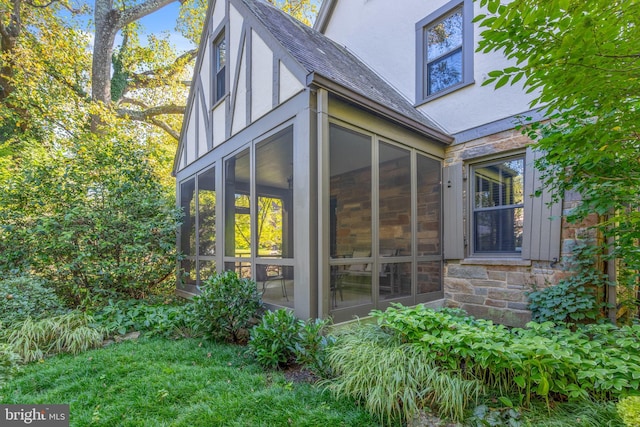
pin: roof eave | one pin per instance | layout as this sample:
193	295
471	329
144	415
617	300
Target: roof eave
318	80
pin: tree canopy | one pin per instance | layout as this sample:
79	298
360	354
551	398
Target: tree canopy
581	59
90	114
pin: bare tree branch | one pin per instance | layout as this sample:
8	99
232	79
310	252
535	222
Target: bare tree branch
150	115
141	10
151	112
150	78
165	127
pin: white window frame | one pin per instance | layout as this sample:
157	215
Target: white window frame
422	61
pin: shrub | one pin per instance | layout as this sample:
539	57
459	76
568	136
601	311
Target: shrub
596	361
66	333
273	340
25	296
227	307
394	380
312	345
91	217
167	318
281	340
574	299
629	411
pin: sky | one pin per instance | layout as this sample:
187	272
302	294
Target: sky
161	20
164	20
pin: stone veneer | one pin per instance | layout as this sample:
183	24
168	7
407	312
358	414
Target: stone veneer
494	288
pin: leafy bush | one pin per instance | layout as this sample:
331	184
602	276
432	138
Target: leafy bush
394	380
93	219
8	363
166	318
312	345
573	299
25	296
66	333
227	307
273	340
486	416
281	340
596	361
629	411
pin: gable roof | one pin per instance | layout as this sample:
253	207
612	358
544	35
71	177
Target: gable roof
332	66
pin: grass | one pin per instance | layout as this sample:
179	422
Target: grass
584	413
186	382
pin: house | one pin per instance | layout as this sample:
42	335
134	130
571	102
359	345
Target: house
361	163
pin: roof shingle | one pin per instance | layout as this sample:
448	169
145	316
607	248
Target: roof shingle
321	55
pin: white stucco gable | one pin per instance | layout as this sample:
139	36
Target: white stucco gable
258	76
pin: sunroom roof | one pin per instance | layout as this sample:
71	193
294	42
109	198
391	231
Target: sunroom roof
323	59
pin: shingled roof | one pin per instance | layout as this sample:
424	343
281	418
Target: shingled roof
321	56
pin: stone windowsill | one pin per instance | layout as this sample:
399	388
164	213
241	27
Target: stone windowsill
496	261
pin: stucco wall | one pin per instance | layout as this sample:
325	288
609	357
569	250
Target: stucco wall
383	35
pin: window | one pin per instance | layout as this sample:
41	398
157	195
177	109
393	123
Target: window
498	206
220	52
445	50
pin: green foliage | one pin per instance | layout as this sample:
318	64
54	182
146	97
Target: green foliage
164	318
312	344
281	340
272	341
394	380
227	307
541	361
484	416
25	296
580	59
92	219
178	383
629	410
66	333
573	299
574	413
8	363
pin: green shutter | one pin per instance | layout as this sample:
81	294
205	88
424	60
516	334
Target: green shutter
452	217
542	221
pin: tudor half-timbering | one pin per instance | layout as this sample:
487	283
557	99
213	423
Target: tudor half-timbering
360	163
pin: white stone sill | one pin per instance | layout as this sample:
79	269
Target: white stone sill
496	261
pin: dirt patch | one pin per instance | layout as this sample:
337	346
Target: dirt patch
298	374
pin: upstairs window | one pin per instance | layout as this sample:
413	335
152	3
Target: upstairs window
220	52
445	50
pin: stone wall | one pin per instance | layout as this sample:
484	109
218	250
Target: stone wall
495	288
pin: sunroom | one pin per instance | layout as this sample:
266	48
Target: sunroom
325	190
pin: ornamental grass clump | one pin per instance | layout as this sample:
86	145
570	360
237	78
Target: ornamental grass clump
393	380
67	333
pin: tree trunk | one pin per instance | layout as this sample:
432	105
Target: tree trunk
8	38
106	29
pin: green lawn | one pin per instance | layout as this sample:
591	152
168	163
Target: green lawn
189	382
